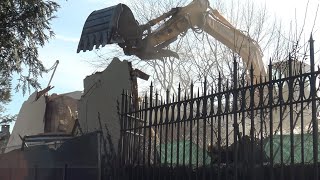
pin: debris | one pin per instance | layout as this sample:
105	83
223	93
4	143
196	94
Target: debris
44	114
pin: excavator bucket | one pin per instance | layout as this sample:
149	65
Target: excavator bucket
114	24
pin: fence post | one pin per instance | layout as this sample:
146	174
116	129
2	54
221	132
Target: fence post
270	88
144	114
166	129
219	125
178	121
290	87
155	154
204	114
314	109
235	119
301	106
252	128
150	124
191	126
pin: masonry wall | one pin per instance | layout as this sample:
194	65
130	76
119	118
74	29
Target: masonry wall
101	92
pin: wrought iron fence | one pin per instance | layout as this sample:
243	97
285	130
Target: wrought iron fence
245	129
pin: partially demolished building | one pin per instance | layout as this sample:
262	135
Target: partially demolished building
47	126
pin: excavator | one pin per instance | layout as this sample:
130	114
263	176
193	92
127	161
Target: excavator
117	24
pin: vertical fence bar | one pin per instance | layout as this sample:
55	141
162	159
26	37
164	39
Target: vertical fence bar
144	137
135	133
291	118
172	123
155	125
150	124
190	131
211	133
243	108
129	130
178	120
314	110
270	88
252	139
185	121
204	139
301	98
166	122
242	154
161	124
140	129
219	113
197	124
204	115
261	108
140	134
125	156
227	129
235	119
166	129
122	128
281	126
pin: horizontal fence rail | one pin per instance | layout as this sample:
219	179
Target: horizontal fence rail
249	128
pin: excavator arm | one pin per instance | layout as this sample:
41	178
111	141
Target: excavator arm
247	48
117	25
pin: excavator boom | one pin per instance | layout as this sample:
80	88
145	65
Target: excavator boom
117	24
247	48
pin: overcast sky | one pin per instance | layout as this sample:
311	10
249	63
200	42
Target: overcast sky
73	67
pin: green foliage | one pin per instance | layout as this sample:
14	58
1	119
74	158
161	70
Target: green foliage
7	119
24	26
5	87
